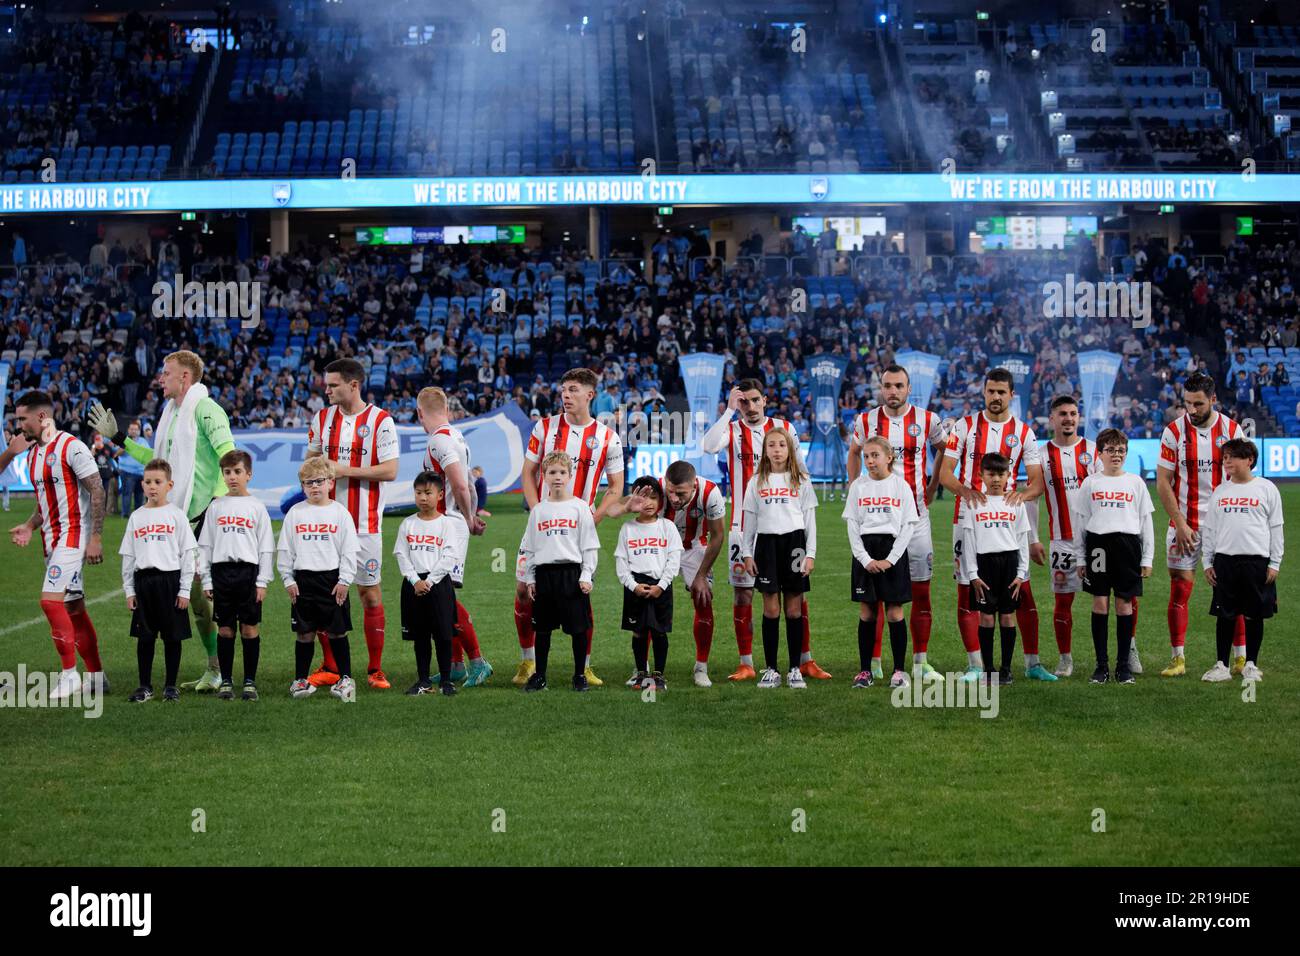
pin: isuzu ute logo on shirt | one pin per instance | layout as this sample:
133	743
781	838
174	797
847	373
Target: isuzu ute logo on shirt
778	492
870	502
433	539
1241	505
234	521
634	543
1112	496
158	529
557	523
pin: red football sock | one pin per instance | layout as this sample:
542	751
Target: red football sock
373	618
1027	619
524	621
880	629
62	631
703	633
921	617
466	638
1180	592
457	648
1239	637
327	660
968	621
807	630
743	617
87	640
1063	621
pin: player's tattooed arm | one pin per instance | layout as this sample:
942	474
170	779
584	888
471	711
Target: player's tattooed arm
95	546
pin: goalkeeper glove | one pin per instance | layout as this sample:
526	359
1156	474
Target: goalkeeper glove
104	421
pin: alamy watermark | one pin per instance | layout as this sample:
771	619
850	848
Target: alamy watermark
1084	299
214	300
36	689
951	692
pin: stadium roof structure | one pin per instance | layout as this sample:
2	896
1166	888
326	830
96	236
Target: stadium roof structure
632	190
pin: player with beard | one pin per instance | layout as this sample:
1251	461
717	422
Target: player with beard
70	513
1188	470
696	505
743	439
991	431
1067	459
911	432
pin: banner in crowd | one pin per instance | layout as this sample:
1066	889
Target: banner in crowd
922	373
1021	367
826	459
702	372
1098	370
496	444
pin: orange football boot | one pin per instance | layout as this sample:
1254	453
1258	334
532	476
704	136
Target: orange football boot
743	672
323	677
810	669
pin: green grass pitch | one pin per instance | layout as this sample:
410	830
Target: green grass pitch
1186	773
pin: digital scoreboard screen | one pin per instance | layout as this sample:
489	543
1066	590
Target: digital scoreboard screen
439	235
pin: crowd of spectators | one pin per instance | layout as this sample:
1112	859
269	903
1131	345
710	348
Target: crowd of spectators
99	340
86	98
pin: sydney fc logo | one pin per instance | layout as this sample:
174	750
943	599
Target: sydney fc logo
281	192
819	186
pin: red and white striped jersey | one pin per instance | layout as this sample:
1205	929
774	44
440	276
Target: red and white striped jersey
974	436
56	471
363	440
693	520
594	448
744	446
1195	456
910	435
1063	472
447	446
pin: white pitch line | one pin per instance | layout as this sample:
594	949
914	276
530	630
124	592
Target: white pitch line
42	619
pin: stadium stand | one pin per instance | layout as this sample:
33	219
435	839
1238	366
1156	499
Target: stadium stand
105	103
742	100
565	104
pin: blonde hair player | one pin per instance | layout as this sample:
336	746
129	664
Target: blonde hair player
447	455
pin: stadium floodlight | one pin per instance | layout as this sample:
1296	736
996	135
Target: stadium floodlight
882	18
1035	53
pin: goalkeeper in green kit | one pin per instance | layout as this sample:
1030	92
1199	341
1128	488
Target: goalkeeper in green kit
193	433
